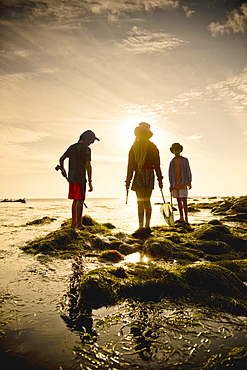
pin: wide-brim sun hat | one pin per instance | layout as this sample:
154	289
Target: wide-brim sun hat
143	128
89	137
176	146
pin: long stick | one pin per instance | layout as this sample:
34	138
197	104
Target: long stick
171	197
127	193
162	195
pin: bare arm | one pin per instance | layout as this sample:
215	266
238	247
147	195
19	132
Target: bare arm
61	162
89	175
159	176
130	170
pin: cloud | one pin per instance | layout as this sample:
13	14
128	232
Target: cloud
188	11
231	94
195	137
74	10
11	134
24	76
148	42
236	22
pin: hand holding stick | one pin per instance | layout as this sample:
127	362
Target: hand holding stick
63	172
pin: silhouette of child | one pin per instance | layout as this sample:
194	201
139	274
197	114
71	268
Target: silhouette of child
79	155
180	180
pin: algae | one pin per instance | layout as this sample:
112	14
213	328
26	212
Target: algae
205	283
236	358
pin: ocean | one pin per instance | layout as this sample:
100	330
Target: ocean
33	334
14	216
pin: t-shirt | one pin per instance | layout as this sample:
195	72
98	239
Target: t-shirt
178	174
78	155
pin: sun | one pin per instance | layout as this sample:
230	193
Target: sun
127	127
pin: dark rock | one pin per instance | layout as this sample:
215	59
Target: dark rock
158	248
112	256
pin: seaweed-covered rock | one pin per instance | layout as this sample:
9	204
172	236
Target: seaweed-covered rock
111	255
239	267
208	284
221	208
240	217
55	241
41	221
214	247
215	278
104	286
234	209
158	248
221	233
239	206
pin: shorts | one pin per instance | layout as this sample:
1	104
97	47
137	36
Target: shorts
143	179
182	193
77	191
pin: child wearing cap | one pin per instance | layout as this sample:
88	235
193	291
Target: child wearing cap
79	155
180	180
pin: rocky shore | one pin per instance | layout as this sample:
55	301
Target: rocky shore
204	265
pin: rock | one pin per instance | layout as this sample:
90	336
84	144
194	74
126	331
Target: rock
41	221
193	209
112	256
215	278
222	233
158	248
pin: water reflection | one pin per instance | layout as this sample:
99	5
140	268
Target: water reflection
136	257
158	333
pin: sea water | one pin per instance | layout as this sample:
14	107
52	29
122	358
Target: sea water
32	333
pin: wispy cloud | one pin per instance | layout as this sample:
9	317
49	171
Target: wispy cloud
24	76
230	95
12	134
76	9
148	42
236	22
196	137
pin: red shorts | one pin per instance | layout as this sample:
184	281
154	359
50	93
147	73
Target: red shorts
77	191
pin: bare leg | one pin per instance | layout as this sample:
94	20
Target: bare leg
180	208
185	208
144	206
79	209
73	224
148	207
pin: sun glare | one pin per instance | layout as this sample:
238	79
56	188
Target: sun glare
126	130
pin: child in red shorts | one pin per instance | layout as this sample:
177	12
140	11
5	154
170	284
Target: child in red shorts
79	155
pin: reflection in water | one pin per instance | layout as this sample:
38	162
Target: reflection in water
135	258
164	333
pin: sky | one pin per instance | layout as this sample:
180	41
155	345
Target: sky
67	66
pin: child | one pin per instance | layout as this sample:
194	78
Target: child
144	162
79	155
180	180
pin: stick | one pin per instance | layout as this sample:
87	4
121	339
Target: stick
162	195
127	193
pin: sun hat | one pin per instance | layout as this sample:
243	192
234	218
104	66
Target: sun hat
143	128
89	137
176	146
